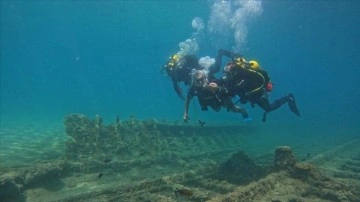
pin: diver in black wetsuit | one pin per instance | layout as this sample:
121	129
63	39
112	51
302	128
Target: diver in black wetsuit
179	68
251	83
209	93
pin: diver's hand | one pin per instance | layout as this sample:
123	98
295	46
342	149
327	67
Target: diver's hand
213	87
186	118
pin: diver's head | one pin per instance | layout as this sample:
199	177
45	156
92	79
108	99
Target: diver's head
231	70
199	78
230	67
254	65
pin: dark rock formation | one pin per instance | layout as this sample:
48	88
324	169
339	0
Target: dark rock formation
240	169
284	158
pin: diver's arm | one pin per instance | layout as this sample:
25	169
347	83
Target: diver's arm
186	108
227	53
218	59
178	90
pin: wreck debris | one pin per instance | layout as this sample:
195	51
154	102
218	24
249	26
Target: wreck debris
12	184
133	160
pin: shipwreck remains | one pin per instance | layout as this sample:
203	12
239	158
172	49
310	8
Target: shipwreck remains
133	160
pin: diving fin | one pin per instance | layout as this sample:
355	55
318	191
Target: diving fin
292	105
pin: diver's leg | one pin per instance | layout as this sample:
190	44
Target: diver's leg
263	102
286	99
202	104
234	108
278	103
216	108
215	105
238	109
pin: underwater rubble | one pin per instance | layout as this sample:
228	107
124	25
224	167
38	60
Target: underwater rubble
133	160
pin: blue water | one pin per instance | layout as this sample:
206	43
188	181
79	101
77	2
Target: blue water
104	57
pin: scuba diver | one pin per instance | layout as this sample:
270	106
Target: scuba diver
179	68
209	93
251	83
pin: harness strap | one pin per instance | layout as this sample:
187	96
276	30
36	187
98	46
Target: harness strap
261	86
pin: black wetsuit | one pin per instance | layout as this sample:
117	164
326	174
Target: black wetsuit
206	98
211	96
250	85
182	71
